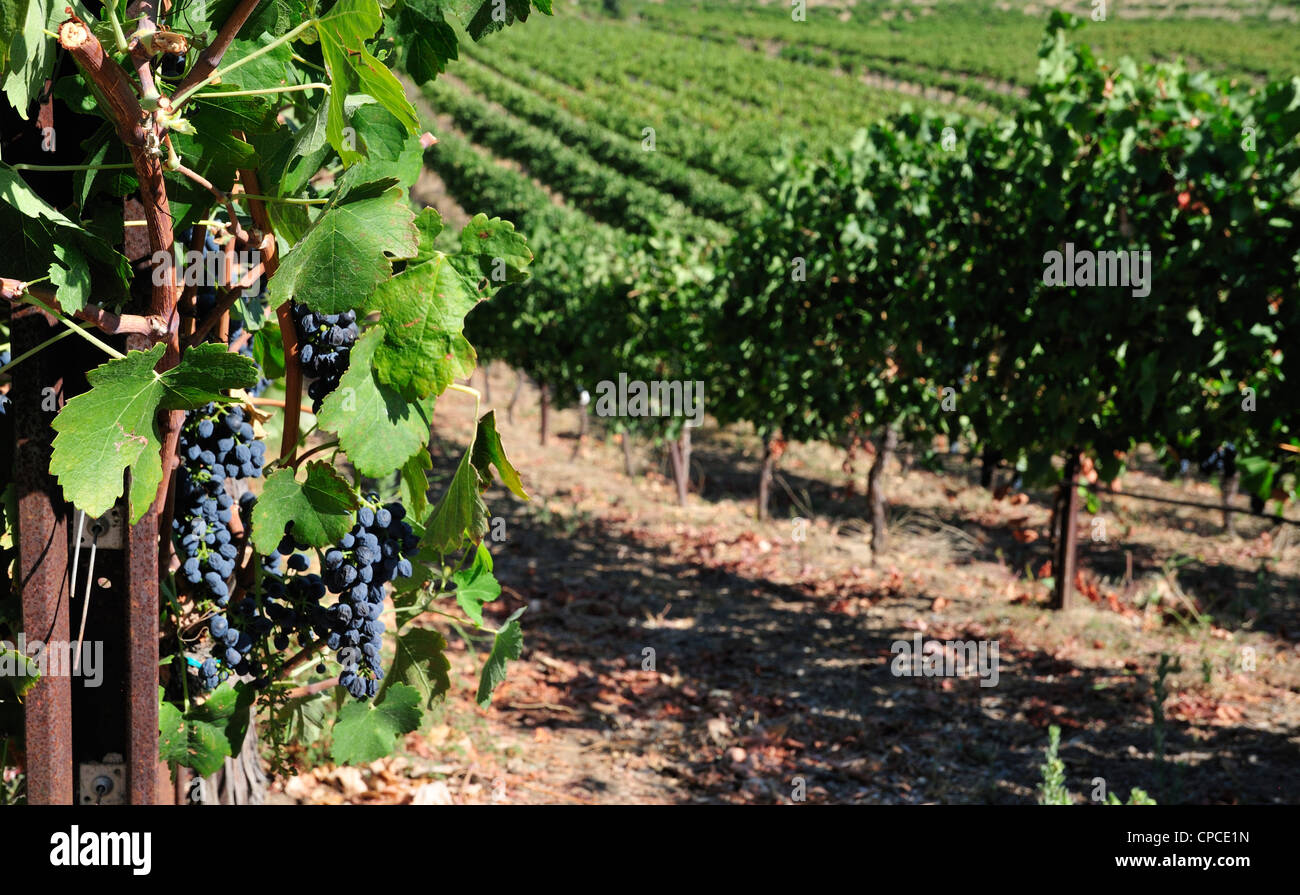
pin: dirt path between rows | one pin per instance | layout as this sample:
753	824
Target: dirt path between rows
694	655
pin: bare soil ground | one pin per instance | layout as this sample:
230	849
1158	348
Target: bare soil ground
771	642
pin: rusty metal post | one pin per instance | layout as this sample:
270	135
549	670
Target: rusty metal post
142	656
142	660
42	562
1066	535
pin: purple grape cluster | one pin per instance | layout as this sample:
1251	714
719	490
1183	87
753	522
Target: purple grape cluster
284	606
325	346
287	605
377	550
216	444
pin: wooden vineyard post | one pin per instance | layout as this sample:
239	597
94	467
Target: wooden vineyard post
1065	531
1228	490
626	438
770	455
679	450
582	428
546	413
876	493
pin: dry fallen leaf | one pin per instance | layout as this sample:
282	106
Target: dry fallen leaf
435	793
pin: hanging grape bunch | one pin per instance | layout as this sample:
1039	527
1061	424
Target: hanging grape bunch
216	444
325	344
284	605
377	550
288	605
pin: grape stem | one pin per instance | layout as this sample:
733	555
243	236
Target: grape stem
212	55
311	689
186	92
240	233
149	96
459	619
316	450
284	200
262	91
302	657
106	321
30	351
85	334
117	166
276	402
478	398
120	35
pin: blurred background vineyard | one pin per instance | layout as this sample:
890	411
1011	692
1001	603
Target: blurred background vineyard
660	156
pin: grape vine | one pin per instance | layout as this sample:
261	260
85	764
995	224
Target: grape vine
282	140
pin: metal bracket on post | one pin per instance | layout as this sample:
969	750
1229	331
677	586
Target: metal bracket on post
102	783
106	531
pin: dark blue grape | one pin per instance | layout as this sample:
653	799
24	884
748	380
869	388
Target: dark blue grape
325	344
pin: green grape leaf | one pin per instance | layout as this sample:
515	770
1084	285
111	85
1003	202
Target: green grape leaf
172	746
20	671
268	349
321	507
420	661
70	276
366	732
11	12
378	80
476	585
492	254
429	224
31	53
108	429
415	484
294	163
423	309
271	69
378	427
346	254
508	644
209	733
391	151
430	42
352	69
482	17
487	452
459	514
55	245
113	426
303	718
204	372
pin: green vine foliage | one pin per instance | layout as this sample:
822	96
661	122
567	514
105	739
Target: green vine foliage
899	279
923	246
303	111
